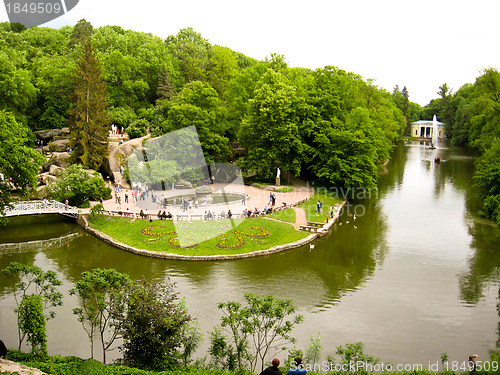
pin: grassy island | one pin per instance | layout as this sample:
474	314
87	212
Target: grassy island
203	237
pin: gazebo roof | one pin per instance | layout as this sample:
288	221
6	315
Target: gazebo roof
425	122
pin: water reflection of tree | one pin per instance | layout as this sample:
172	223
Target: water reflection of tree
484	264
393	174
5	259
87	252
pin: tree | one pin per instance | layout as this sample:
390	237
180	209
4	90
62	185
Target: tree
406	107
89	117
32	323
314	349
33	289
165	88
487	176
261	325
222	67
19	162
55	84
82	32
154	326
79	186
198	104
191	52
100	292
271	131
17	93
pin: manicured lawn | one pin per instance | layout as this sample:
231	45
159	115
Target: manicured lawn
200	238
310	206
287	215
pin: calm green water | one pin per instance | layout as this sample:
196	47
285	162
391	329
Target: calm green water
415	275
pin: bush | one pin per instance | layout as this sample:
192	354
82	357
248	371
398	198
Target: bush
96	210
153	326
138	128
79	187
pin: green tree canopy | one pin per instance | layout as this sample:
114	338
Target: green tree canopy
19	161
89	117
100	292
154	326
79	186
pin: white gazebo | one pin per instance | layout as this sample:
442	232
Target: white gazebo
424	129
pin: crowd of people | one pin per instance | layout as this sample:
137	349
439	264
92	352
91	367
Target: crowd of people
142	191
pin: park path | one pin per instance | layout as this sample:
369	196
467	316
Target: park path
300	218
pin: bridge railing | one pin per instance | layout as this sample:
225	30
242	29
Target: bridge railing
36	206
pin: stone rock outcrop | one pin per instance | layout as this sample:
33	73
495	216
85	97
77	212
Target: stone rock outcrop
45	135
16	368
54	170
60	159
119	154
59	145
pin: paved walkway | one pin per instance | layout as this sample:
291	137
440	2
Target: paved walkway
257	198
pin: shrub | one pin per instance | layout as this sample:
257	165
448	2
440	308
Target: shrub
138	128
79	187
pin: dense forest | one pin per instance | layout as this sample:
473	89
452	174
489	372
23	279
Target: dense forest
326	124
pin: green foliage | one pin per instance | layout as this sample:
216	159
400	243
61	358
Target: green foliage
58	365
32	323
29	281
255	331
79	186
313	349
191	339
82	32
271	131
17	92
353	353
191	52
154	327
89	117
487	177
198	104
122	116
222	353
18	160
100	292
138	128
96	210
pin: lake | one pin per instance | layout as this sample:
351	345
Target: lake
416	274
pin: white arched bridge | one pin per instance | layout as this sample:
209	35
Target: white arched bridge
40	207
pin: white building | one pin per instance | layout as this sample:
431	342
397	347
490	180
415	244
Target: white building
423	129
